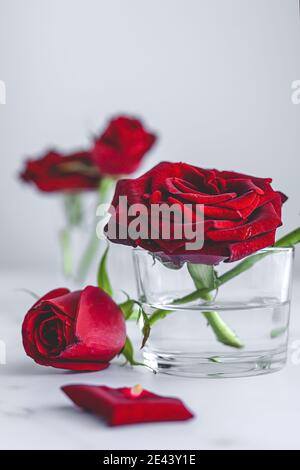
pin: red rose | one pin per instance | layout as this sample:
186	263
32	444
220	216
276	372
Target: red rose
80	330
121	147
56	172
241	212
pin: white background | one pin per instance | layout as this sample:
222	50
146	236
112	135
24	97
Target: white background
212	77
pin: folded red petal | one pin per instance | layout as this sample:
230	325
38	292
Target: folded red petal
118	406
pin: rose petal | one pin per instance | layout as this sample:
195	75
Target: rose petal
66	304
119	407
99	328
76	331
242	249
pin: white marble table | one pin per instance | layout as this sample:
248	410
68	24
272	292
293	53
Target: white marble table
252	413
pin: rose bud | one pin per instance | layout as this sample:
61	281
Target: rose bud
80	330
57	172
241	212
121	147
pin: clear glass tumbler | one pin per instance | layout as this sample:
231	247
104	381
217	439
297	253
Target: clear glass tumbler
239	328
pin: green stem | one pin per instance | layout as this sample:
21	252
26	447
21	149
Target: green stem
66	245
73	208
73	214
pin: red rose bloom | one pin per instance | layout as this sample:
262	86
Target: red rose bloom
56	172
241	212
80	330
122	146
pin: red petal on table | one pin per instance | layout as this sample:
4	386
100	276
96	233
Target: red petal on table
118	406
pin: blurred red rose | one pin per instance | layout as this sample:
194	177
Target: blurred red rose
57	172
120	149
80	330
241	212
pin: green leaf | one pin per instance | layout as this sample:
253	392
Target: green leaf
146	328
103	279
128	308
204	276
128	353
